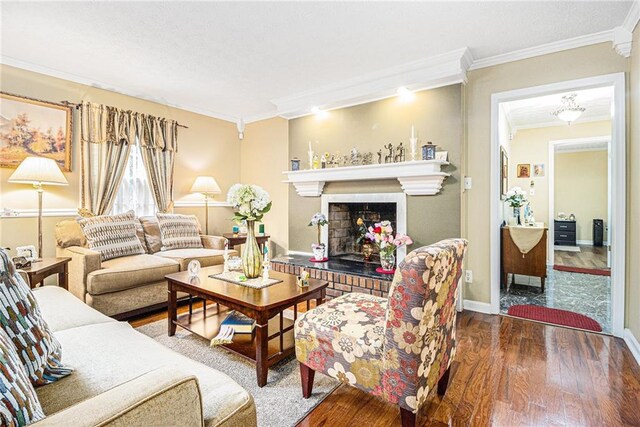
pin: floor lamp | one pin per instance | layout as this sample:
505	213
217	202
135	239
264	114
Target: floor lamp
207	186
38	171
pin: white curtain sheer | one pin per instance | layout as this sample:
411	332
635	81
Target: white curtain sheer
134	192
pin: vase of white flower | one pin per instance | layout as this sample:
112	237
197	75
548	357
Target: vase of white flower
516	198
250	202
318	220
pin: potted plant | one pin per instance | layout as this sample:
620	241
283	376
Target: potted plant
250	202
516	198
382	235
319	220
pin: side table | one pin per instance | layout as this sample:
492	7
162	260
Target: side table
240	239
44	268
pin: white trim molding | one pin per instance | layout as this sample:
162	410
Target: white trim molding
632	18
400	199
417	178
436	71
632	343
33	213
622	41
617	225
478	307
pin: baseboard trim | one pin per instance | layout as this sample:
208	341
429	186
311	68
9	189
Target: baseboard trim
632	343
479	307
590	243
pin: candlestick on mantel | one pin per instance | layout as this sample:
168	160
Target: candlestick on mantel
310	153
413	141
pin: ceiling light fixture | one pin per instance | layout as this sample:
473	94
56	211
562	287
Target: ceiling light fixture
321	114
569	110
240	127
405	94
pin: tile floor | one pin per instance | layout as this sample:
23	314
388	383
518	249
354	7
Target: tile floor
581	293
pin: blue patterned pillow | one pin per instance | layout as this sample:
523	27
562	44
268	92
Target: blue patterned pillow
19	404
20	317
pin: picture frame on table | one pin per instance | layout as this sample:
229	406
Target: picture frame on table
33	127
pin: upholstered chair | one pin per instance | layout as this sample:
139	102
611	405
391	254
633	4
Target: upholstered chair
399	348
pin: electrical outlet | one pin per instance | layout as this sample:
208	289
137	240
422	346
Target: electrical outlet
468	183
468	276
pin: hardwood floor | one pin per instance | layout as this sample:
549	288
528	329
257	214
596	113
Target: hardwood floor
508	372
511	372
588	257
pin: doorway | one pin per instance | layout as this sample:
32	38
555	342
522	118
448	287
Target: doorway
531	176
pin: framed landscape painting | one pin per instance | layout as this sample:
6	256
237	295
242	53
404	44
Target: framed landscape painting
29	127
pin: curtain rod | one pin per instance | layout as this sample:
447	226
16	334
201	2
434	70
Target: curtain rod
77	106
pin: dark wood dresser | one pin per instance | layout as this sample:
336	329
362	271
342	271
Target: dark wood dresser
533	263
564	232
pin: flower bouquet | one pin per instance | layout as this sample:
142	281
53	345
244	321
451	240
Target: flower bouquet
250	202
366	246
516	198
382	235
318	220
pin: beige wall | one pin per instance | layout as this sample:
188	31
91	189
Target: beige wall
437	116
581	188
208	147
572	64
633	191
531	146
264	156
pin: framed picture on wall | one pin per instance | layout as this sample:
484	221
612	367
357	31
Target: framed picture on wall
524	170
538	170
31	127
504	172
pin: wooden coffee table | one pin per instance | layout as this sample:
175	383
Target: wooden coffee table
272	339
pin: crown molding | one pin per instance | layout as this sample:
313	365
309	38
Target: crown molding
632	18
441	70
622	41
6	60
544	49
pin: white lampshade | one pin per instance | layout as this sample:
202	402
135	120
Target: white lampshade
38	171
205	185
569	115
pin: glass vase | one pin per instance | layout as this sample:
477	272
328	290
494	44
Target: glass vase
516	215
251	254
387	261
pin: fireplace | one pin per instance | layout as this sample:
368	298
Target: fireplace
343	211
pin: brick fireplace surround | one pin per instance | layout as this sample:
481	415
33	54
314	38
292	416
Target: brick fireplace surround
341	280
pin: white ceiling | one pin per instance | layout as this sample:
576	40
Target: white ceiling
232	59
537	112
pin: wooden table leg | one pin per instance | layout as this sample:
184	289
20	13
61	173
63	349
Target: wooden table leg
63	277
262	345
172	311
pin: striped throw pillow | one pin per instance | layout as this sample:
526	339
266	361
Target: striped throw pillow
20	317
179	231
114	236
19	404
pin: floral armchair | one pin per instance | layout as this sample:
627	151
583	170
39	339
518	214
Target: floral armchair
397	348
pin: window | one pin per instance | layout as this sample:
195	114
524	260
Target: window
135	192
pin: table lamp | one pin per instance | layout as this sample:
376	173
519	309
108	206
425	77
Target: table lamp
38	171
207	186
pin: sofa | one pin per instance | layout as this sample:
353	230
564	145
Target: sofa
129	285
122	377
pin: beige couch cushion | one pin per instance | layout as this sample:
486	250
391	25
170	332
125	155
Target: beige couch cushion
108	354
151	233
207	257
69	233
129	272
56	304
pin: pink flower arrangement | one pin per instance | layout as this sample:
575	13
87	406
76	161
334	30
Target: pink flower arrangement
382	235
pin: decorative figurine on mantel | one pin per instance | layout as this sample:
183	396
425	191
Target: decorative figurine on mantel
380	156
389	157
355	157
316	162
367	158
399	157
323	161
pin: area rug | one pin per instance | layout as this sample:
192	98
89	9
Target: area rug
554	316
594	271
279	403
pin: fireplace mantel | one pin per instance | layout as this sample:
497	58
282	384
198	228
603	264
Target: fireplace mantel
417	178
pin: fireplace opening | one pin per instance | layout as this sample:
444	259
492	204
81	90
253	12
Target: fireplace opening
343	229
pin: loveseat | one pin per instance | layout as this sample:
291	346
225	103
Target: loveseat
122	377
128	285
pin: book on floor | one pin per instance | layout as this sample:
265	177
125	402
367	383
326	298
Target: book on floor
240	323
